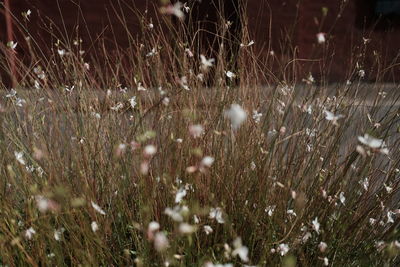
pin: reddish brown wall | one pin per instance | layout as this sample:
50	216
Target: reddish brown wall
287	27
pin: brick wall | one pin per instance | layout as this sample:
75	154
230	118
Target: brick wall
283	26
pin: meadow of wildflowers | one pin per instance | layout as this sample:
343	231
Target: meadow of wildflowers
160	155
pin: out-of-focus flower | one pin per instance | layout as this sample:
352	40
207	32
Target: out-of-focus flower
207	161
19	156
94	226
149	151
180	194
12	45
247	45
283	249
322	247
206	63
207	229
187	229
196	130
374	143
230	75
132	101
315	225
321	37
216	213
237	115
332	117
29	233
97	208
342	198
161	242
175	10
240	250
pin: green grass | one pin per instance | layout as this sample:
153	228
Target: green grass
78	147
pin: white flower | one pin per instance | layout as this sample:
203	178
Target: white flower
61	52
29	233
326	261
365	183
315	225
174	10
149	150
140	87
370	141
188	52
206	63
176	213
270	210
361	73
321	37
240	250
306	237
291	212
216	213
12	45
332	117
132	101
97	208
257	116
283	249
187	229
58	234
153	52
322	246
12	93
207	229
153	226
247	45
237	115
117	106
42	203
390	216
230	75
196	130
180	195
342	198
207	161
161	242
94	226
19	156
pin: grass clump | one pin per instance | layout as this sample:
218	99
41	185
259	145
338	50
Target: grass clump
158	155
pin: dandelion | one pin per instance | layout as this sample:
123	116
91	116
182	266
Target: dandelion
19	156
29	233
161	242
230	75
237	115
321	37
332	117
240	250
216	213
283	249
94	226
97	208
207	229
